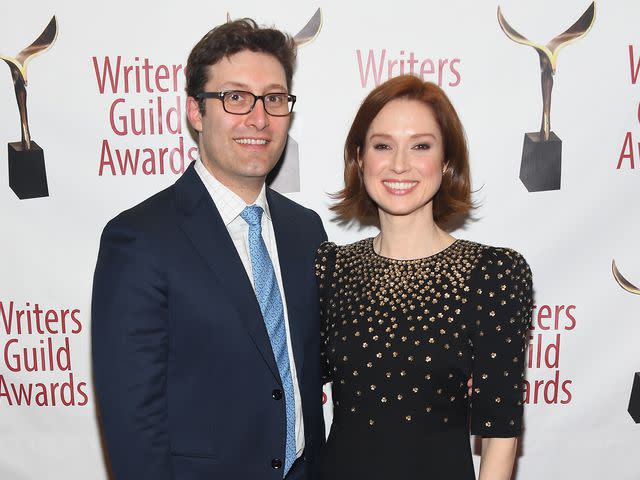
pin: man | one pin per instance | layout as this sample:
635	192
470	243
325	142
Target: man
205	312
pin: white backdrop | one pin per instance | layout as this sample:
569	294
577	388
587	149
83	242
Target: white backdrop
586	325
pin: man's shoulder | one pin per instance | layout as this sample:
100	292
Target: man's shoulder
155	209
286	206
291	218
162	207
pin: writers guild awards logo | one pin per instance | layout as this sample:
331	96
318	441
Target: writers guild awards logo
634	401
541	166
285	177
27	172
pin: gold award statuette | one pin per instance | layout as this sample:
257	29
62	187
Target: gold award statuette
27	172
541	165
634	401
285	177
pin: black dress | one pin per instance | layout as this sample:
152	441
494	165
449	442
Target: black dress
400	338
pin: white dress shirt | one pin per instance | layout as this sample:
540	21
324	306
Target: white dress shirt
230	206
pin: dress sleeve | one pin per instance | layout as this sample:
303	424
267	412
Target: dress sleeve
325	262
500	307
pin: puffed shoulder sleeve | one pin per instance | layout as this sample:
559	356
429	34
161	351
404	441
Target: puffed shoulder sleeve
325	263
500	305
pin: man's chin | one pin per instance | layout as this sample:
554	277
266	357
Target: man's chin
259	167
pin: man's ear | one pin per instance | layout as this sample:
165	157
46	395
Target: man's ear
193	114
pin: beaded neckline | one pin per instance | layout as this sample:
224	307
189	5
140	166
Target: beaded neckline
369	243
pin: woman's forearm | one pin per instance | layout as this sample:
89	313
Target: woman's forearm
498	455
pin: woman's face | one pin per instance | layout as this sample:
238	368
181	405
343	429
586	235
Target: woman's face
402	159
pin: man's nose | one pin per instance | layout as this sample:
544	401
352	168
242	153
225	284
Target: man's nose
258	117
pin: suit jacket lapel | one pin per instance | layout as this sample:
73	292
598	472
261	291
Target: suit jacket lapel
204	227
291	269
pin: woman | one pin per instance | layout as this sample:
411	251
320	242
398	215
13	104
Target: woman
409	315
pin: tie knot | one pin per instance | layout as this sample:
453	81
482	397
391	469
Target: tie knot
252	215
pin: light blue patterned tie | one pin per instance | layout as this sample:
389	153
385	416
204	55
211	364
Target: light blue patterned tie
270	301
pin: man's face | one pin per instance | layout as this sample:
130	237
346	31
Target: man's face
240	150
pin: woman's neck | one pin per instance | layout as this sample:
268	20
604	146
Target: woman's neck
406	237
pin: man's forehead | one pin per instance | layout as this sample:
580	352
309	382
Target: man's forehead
234	85
248	70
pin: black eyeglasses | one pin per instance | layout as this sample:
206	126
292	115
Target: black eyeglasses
239	102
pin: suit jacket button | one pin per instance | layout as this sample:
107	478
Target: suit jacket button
276	463
276	394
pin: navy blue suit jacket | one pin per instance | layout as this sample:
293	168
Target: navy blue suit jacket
184	372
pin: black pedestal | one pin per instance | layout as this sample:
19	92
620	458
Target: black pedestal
634	401
27	172
541	165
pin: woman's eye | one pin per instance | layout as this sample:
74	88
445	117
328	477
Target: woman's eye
422	146
381	146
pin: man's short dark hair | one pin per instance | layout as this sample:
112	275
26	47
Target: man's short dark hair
231	38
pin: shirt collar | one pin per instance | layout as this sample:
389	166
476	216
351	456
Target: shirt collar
228	203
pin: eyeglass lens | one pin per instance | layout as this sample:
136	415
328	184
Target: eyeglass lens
242	102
